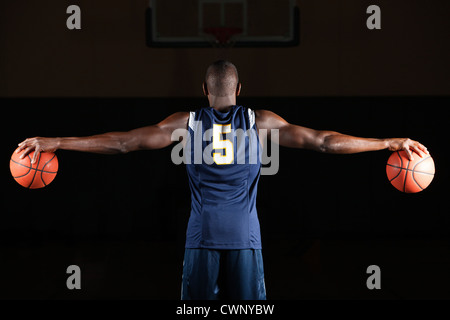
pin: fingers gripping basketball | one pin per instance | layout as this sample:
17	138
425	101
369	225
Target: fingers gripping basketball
36	175
410	176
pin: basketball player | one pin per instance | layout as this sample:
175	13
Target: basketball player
223	244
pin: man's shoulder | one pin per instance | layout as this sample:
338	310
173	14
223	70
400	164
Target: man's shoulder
262	114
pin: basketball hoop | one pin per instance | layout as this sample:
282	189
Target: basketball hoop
222	37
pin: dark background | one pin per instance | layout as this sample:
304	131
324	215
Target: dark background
324	218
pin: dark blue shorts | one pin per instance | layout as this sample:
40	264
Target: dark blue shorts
223	274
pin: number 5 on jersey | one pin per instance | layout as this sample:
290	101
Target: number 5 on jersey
228	155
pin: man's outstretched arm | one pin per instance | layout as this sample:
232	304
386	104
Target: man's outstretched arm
330	141
151	137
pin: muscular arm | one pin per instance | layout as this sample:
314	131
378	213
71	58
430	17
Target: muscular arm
151	137
294	136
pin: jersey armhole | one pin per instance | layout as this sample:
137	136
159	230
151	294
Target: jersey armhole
251	117
191	120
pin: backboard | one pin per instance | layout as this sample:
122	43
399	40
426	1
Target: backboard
223	23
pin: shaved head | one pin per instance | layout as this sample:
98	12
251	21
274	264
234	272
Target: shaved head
222	79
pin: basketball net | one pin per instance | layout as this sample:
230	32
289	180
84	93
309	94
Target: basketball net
222	37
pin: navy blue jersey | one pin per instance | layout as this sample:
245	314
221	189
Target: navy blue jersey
223	166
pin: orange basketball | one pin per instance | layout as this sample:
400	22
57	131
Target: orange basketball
35	176
410	176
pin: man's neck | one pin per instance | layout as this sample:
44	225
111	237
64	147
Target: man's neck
222	104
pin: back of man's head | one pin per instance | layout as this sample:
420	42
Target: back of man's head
222	78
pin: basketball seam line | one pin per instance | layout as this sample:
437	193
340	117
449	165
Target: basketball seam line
391	165
42	176
20	164
35	172
29	169
412	174
400	171
418	171
406	177
420	162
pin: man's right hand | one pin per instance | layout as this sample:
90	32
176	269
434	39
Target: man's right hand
37	144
